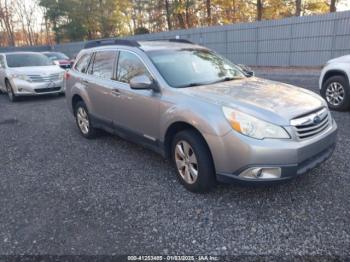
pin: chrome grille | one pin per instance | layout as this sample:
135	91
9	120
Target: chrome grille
312	124
44	78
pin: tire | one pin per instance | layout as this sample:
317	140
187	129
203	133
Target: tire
341	84
12	97
205	179
83	121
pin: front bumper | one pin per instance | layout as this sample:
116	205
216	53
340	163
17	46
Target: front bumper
25	88
234	153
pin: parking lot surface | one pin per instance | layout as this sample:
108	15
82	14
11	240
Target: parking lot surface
63	194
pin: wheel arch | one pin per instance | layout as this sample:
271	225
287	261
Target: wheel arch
334	72
175	128
75	99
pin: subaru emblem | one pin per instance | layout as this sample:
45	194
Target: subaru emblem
317	120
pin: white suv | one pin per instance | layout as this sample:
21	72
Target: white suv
334	83
28	73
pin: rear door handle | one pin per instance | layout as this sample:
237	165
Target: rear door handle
116	92
85	81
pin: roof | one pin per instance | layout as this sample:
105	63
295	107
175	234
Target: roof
20	52
166	45
143	45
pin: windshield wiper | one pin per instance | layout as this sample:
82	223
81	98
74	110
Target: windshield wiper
192	84
225	79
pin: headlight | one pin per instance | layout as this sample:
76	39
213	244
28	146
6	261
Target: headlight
55	62
253	127
21	77
61	75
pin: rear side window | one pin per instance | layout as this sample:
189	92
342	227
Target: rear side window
103	64
129	65
83	63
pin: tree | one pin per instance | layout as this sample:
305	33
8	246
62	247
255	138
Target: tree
141	31
7	21
259	9
168	15
297	7
332	7
208	7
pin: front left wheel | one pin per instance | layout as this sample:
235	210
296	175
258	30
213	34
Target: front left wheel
193	161
12	97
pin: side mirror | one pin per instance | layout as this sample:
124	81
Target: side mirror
143	82
248	72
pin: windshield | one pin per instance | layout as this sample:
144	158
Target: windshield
23	60
191	67
56	56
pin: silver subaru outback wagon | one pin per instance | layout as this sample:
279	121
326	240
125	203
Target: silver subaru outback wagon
198	109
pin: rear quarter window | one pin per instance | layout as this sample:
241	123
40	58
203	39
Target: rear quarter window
83	63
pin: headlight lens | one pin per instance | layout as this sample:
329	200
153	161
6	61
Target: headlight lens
21	77
253	127
61	76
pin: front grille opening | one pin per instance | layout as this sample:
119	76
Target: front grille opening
48	78
47	90
312	129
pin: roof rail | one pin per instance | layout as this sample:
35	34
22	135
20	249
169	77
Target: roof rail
185	41
178	40
102	42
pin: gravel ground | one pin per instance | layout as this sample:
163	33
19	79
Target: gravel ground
63	194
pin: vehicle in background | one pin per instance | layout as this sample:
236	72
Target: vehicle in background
334	83
59	59
198	109
29	73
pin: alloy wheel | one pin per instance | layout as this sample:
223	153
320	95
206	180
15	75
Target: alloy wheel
83	120
335	93
9	91
186	162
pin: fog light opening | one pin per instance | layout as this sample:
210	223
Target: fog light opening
261	173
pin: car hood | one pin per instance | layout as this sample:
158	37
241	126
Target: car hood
36	70
341	59
269	100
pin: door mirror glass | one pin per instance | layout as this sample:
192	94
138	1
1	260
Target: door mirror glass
141	82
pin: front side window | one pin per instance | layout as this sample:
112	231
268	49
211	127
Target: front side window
103	64
129	66
191	67
83	63
28	59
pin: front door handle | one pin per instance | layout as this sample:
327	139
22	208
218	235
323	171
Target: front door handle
85	81
116	92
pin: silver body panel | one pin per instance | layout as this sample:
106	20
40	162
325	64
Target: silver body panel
150	114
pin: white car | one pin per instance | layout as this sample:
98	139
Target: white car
29	73
334	83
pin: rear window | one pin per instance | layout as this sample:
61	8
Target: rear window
103	64
83	63
25	60
56	56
